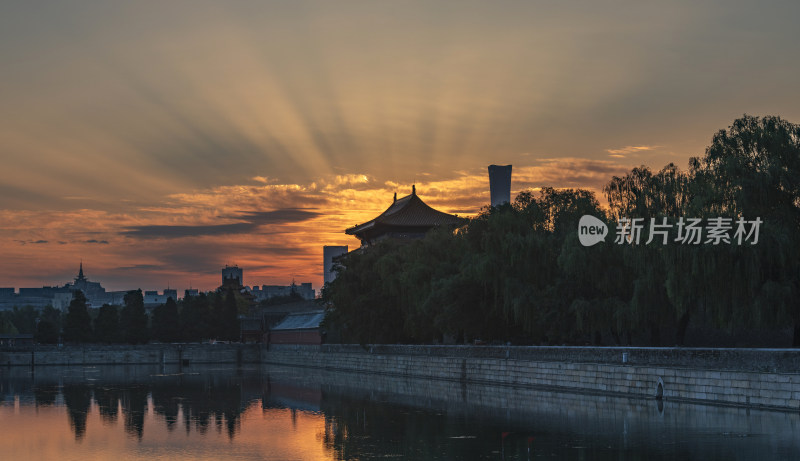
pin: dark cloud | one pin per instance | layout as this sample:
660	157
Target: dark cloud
181	264
279	251
203	257
32	242
101	242
157	231
209	257
249	223
283	216
137	267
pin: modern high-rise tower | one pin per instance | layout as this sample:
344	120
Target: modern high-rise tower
328	253
500	184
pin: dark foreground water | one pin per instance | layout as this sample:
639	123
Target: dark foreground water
255	413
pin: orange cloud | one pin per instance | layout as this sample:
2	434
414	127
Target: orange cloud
622	152
274	231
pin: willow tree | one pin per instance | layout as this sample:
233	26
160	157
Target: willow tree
752	171
366	305
655	198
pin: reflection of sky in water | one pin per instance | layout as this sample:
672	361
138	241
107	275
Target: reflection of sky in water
72	414
283	413
28	432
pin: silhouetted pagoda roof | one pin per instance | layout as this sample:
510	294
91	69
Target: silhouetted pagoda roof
406	215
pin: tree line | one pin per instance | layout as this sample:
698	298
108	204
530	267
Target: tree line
519	273
196	318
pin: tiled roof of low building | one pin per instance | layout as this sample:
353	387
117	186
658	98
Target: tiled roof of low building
301	321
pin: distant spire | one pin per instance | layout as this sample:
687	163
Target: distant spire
413	189
80	274
395	197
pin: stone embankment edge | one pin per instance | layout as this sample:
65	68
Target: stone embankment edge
757	378
761	378
145	354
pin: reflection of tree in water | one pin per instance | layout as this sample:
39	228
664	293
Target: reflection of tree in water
357	429
45	396
204	400
134	407
217	398
166	403
107	399
78	399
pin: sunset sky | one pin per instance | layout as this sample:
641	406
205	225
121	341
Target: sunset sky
159	141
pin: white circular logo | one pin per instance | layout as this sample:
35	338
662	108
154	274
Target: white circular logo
591	230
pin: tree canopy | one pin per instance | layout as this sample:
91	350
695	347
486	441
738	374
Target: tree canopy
78	324
133	318
519	273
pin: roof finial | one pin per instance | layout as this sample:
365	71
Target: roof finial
395	197
413	189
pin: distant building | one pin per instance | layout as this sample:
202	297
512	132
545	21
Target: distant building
95	294
232	275
190	292
61	301
500	184
153	298
36	297
329	253
60	296
304	290
406	218
88	288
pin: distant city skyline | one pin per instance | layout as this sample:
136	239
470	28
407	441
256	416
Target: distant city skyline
158	142
60	295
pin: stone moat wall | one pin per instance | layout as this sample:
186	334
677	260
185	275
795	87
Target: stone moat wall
767	378
145	354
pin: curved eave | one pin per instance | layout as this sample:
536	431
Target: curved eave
360	228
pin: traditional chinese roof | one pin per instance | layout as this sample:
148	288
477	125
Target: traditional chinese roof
301	321
408	214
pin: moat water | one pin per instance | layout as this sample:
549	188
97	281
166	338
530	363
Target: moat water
279	413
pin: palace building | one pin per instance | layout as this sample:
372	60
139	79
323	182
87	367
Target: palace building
406	218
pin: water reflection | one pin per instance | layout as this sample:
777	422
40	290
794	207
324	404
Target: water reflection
45	396
199	400
134	406
78	399
107	399
281	413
